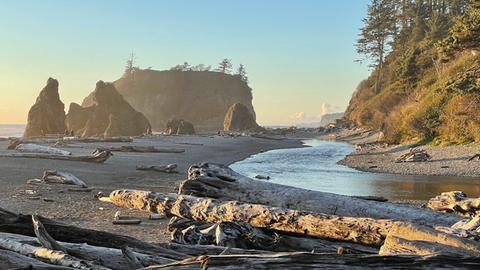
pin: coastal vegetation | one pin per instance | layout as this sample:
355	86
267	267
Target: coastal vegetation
425	79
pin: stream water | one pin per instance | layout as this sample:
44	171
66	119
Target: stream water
316	168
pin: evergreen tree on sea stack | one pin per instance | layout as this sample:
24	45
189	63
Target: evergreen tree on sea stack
242	73
225	66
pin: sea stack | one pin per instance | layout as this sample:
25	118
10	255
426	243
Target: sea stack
47	115
105	113
239	118
179	127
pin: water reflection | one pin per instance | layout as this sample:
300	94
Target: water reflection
316	168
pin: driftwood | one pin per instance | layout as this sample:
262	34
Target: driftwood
57	177
474	157
405	238
298	260
365	231
414	155
99	156
142	149
199	250
455	202
22	224
170	168
13	260
245	236
220	182
35	148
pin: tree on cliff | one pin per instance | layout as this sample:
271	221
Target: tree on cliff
376	35
225	66
130	66
242	73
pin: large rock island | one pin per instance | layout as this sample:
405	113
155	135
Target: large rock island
199	97
105	113
47	115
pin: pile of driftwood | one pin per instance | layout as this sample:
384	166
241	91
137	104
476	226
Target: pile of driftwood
217	206
455	202
414	155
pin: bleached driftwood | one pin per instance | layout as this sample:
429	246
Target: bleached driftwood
57	177
22	224
245	236
365	231
301	260
13	260
96	157
170	168
455	202
405	238
414	155
142	149
220	182
35	148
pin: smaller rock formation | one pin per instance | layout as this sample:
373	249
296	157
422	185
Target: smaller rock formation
178	127
47	115
105	113
239	118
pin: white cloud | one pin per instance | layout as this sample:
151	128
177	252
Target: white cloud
304	118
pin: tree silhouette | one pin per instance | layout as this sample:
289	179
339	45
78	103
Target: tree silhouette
225	66
242	73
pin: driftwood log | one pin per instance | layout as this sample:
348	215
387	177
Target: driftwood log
170	168
97	157
474	157
22	224
455	202
245	236
56	177
414	155
220	182
365	231
321	261
35	148
13	260
142	149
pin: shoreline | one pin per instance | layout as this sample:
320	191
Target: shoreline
377	157
83	210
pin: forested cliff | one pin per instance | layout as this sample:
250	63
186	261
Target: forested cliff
425	80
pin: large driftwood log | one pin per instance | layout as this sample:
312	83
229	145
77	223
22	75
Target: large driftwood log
357	230
22	224
170	168
321	261
57	177
35	148
142	149
455	202
220	182
96	157
13	260
406	238
244	236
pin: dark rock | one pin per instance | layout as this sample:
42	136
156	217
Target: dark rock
178	127
239	118
105	113
47	115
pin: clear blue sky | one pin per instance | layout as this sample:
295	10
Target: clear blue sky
298	53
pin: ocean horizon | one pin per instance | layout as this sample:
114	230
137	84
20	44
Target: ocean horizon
11	130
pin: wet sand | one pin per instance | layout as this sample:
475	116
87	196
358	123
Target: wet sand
82	209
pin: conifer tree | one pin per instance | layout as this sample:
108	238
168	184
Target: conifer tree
225	66
242	73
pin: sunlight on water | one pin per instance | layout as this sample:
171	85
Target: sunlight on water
316	168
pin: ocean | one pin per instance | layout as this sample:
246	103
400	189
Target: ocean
11	130
316	168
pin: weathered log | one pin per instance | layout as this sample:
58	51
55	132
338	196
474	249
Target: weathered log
455	202
357	230
220	182
474	157
43	237
372	198
170	168
106	257
13	260
35	148
300	260
199	250
405	238
244	236
96	157
22	224
142	149
414	155
57	177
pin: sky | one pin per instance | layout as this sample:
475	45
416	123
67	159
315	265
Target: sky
299	54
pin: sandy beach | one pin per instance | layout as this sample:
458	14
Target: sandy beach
380	157
119	172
